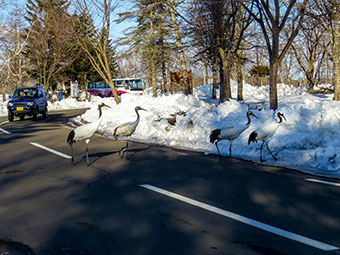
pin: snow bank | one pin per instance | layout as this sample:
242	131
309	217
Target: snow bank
308	140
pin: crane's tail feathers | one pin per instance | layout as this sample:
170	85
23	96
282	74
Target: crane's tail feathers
252	137
70	138
214	135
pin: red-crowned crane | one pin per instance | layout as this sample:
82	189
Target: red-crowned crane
229	133
265	132
127	129
85	132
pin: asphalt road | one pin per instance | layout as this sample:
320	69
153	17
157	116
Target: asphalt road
158	201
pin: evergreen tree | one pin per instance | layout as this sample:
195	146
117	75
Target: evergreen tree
150	36
50	47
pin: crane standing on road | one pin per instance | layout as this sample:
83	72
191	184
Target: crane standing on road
85	132
127	129
229	133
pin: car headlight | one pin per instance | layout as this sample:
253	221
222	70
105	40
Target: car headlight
30	103
10	104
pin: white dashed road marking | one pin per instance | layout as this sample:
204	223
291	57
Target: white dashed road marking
5	131
324	182
51	150
240	218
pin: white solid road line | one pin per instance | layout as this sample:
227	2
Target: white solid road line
324	182
251	222
51	150
5	131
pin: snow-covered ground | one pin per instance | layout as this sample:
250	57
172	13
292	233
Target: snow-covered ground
307	141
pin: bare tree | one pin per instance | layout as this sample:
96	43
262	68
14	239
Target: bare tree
310	50
223	24
96	40
273	17
179	38
330	17
12	42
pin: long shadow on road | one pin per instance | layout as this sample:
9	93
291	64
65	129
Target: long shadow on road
117	216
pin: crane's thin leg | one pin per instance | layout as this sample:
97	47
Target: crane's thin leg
275	158
219	154
231	143
72	159
126	148
87	155
261	152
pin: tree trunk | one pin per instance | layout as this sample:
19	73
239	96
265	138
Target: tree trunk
225	68
86	83
214	71
187	88
153	76
336	57
153	73
239	73
114	91
165	81
274	67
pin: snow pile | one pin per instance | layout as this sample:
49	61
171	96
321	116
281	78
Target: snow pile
308	140
67	104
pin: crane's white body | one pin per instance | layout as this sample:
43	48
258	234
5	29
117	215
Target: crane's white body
265	133
87	131
229	133
127	129
232	132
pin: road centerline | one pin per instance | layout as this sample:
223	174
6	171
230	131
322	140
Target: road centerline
248	221
51	150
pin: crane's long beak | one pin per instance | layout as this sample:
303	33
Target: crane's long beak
253	114
142	109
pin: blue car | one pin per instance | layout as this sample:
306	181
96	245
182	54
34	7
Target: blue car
29	101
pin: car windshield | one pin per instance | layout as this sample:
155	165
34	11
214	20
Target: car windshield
25	93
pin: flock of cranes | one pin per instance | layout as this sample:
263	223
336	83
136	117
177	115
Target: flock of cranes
87	131
264	133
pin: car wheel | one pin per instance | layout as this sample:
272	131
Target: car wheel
35	114
10	116
45	113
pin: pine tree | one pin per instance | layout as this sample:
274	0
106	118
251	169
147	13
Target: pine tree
50	47
150	36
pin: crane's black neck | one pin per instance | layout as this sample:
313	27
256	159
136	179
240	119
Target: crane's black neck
136	110
100	110
249	120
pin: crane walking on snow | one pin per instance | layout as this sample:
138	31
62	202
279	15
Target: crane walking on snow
85	132
229	133
265	132
127	129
